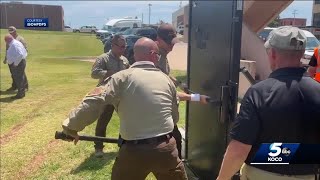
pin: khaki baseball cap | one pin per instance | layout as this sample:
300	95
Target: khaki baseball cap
167	33
12	29
286	38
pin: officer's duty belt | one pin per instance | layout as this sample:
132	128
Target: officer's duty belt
149	140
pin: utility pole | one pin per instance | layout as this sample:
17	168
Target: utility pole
149	12
142	18
294	16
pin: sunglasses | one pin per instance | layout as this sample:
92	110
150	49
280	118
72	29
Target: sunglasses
122	47
156	53
153	52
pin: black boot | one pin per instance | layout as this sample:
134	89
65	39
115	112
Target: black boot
18	96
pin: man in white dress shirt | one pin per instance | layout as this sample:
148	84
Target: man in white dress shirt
16	57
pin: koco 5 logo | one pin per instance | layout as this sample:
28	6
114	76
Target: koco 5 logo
275	150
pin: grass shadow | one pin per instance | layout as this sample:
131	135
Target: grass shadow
7	99
93	163
7	92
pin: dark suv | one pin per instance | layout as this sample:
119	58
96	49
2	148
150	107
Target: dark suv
146	32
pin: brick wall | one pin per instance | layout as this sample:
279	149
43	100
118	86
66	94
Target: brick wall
14	14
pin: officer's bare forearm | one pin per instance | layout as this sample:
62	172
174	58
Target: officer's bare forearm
234	158
184	96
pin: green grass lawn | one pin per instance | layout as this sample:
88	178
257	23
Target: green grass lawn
56	85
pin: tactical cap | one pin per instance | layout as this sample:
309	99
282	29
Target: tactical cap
12	29
167	33
286	38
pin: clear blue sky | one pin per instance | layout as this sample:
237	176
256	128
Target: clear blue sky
303	7
78	13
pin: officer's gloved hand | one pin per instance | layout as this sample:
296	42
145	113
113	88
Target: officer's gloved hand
71	133
5	61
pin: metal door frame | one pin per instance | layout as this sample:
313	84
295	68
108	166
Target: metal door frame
234	64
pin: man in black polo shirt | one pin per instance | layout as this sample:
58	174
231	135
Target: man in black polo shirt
283	108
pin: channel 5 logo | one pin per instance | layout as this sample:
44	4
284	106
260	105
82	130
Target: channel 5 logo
275	153
276	150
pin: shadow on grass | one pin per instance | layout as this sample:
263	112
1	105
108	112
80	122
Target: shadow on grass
7	92
93	163
7	99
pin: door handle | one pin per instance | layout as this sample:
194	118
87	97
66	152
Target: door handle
225	100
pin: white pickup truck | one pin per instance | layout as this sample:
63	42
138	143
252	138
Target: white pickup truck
86	29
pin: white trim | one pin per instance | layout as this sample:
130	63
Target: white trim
269	163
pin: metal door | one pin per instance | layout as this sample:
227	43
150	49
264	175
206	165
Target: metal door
213	69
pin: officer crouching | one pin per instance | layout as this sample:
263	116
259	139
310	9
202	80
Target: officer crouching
145	99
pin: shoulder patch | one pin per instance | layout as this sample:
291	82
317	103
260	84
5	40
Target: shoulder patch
96	91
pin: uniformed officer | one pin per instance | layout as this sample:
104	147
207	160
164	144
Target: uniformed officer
13	31
106	65
145	99
166	38
283	108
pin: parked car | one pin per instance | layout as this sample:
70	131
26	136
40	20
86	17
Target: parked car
265	33
312	42
125	22
105	36
68	29
180	29
86	29
131	36
131	40
121	31
138	32
144	32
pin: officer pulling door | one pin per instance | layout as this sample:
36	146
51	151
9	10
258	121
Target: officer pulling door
213	69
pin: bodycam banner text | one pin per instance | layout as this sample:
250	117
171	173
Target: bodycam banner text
36	22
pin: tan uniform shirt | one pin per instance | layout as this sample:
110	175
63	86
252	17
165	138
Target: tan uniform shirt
143	96
163	63
108	62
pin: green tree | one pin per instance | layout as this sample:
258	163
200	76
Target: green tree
275	22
